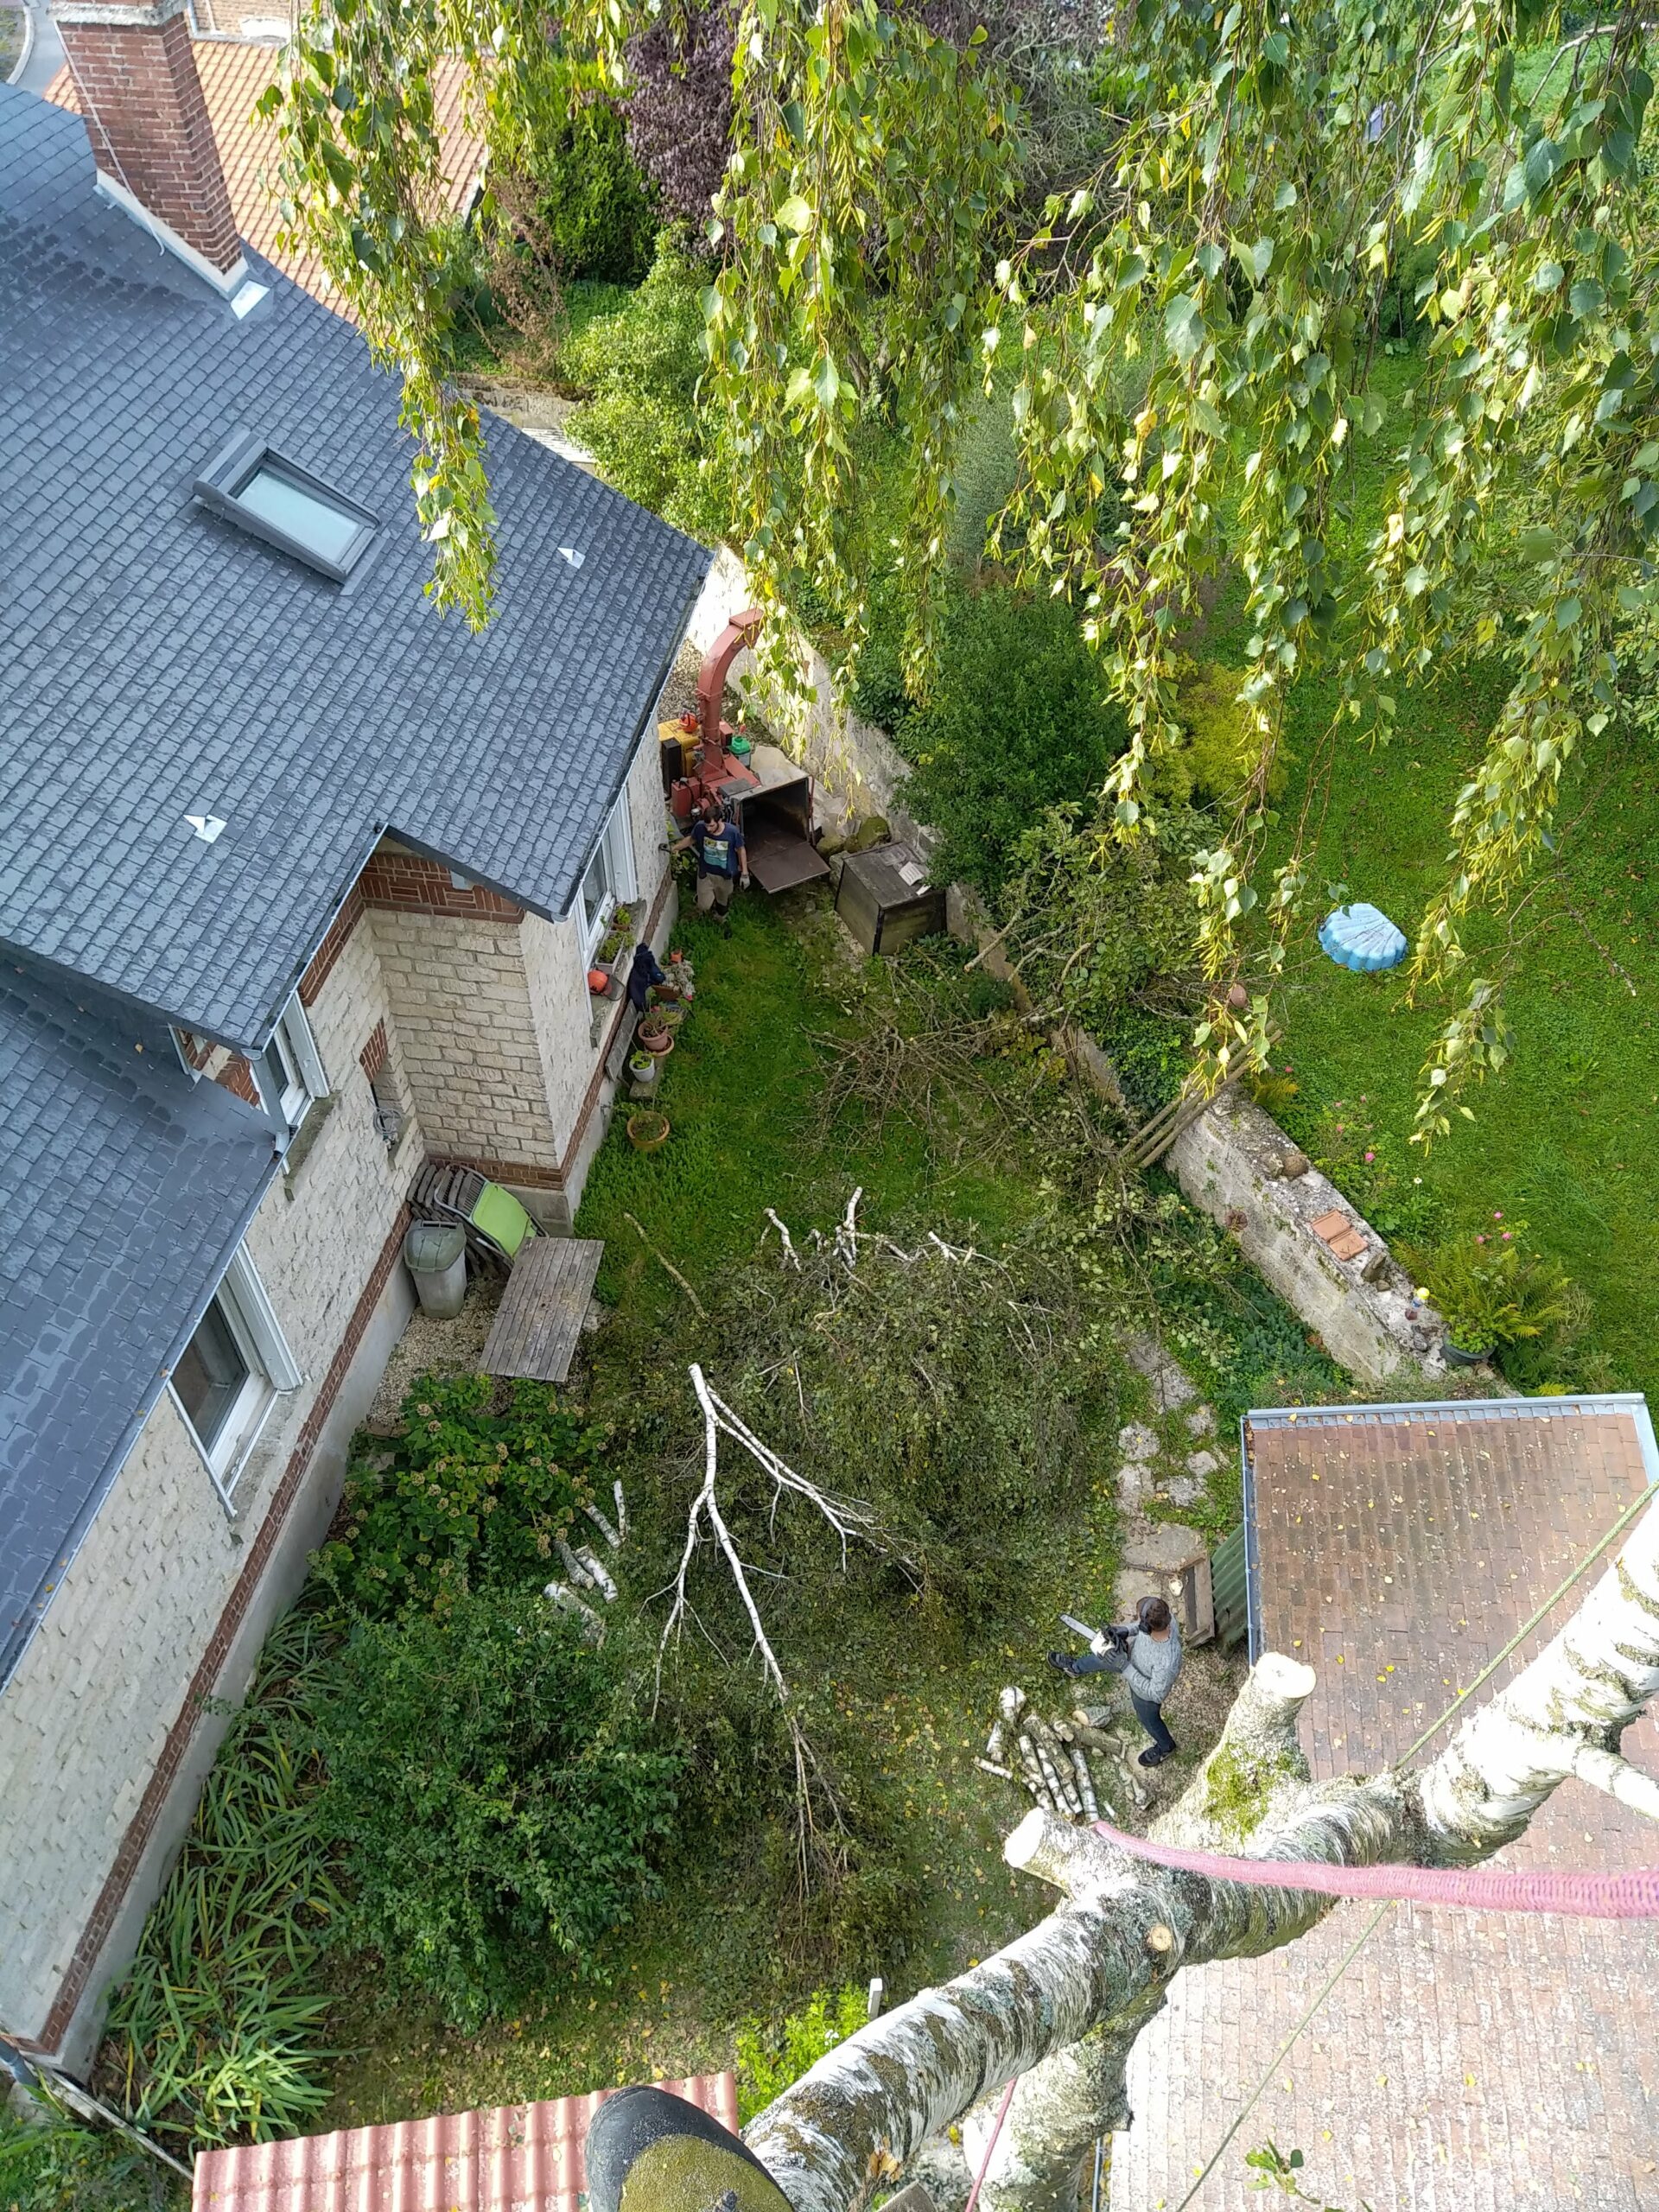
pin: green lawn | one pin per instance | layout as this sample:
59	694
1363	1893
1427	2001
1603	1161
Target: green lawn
1561	1138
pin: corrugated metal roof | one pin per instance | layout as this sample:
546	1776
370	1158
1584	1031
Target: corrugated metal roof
511	2158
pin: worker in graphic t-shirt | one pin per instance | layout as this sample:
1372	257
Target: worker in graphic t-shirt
722	858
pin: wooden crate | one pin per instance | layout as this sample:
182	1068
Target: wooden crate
885	898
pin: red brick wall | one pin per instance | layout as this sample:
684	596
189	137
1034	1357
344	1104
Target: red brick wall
375	1053
148	122
394	878
263	1543
333	945
236	1075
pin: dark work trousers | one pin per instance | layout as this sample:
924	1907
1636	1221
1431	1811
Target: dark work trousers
1151	1718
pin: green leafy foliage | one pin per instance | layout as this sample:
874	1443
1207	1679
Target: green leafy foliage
640	366
462	1498
1016	722
58	2163
1490	1290
599	213
1106	929
772	2054
1222	752
500	1797
1279	2170
1384	1180
217	2034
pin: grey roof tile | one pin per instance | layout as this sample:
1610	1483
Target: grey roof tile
173	664
124	1199
159	661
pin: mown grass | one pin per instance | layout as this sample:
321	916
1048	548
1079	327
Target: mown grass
742	1091
1562	1138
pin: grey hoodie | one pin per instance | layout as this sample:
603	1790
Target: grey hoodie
1154	1662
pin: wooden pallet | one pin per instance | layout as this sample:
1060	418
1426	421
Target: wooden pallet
538	1325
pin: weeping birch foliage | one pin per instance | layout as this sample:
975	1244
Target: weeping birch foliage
1276	175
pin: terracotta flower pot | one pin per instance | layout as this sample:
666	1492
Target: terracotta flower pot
648	1132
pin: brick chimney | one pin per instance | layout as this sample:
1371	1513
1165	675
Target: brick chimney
136	78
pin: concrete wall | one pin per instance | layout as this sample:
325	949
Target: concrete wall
102	1740
1228	1161
857	768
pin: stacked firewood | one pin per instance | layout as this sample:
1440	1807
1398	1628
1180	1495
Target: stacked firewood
1081	1767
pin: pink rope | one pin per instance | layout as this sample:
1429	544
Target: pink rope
1632	1895
996	2129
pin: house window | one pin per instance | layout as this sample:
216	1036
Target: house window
607	881
228	1376
289	1073
276	499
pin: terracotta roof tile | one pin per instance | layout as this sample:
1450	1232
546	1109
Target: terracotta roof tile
233	73
1466	2062
512	2158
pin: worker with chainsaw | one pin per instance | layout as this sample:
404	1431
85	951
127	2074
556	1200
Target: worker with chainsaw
1147	1652
722	858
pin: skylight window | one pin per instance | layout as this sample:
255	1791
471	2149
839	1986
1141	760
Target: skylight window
276	498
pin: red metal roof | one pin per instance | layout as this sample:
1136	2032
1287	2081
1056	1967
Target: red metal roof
514	2158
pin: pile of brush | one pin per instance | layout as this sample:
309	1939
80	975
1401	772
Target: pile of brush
1082	1767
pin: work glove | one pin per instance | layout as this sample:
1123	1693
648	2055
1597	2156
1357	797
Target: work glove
1100	1644
743	882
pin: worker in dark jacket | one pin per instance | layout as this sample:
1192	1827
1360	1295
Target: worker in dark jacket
1147	1652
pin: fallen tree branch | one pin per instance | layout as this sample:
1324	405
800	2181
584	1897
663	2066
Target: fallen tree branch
669	1268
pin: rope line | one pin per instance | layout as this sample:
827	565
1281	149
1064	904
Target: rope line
990	2147
1632	1894
1284	2051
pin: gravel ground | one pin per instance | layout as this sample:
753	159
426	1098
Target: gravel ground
429	1346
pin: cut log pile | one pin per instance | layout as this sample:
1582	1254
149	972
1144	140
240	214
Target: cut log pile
1081	1767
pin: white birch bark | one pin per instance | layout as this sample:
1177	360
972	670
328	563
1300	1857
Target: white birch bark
1100	1965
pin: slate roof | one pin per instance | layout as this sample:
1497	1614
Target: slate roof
124	1189
234	72
162	662
1463	2062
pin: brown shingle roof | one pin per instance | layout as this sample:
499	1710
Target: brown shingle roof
1466	2062
233	73
512	2158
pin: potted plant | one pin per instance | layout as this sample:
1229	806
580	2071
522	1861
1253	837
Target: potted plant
1490	1292
648	1130
654	1035
645	1071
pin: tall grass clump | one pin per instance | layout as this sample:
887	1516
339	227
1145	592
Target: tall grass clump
215	2036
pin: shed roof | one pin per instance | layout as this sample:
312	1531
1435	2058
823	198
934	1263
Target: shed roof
523	2158
124	1188
1464	2062
163	663
234	72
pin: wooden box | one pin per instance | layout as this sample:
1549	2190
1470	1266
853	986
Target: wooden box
885	899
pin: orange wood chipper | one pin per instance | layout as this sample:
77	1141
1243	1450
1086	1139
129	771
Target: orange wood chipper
765	792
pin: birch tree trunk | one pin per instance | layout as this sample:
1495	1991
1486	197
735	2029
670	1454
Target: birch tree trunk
1060	2007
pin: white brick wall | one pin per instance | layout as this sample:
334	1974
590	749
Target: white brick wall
84	1717
469	1045
556	974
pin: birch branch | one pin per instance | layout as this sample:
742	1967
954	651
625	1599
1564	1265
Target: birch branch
1607	1770
1100	1965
